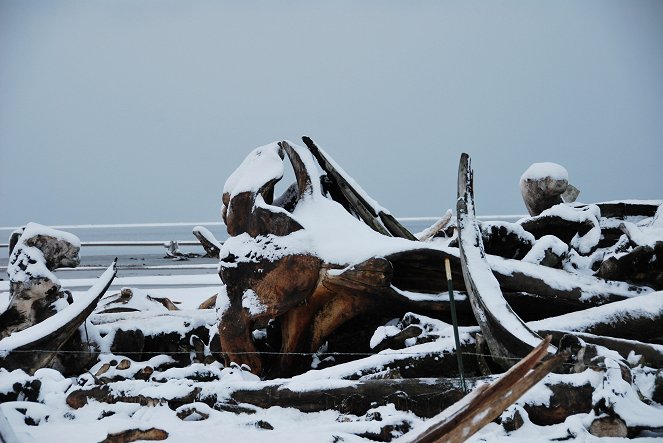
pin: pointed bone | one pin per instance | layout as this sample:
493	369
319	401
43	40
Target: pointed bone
346	194
210	244
304	184
508	338
436	227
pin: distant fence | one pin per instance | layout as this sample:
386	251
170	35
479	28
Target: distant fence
165	243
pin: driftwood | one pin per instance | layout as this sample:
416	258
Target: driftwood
424	397
42	318
624	209
507	337
487	403
562	228
151	434
642	265
508	240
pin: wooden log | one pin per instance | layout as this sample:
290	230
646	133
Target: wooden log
486	403
629	208
642	266
151	434
421	270
508	240
425	397
565	286
638	319
34	289
507	336
652	354
561	228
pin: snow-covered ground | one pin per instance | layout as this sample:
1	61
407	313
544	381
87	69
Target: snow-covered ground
49	418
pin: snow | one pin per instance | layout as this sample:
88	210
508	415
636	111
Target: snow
261	166
543	170
207	234
485	282
648	305
251	303
34	229
545	243
373	203
325	224
382	333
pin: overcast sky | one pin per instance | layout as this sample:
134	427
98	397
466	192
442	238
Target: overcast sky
137	111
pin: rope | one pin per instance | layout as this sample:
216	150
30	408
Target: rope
321	354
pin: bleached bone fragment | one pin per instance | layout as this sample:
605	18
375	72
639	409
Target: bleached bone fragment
439	225
542	186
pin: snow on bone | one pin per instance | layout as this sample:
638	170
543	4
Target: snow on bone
179	390
542	186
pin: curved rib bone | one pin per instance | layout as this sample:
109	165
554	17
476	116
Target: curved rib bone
508	338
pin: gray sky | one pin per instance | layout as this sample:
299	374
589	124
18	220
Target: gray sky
137	111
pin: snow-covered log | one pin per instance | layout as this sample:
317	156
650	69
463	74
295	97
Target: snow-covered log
639	318
486	403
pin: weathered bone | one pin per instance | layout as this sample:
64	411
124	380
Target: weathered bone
539	189
312	298
35	292
34	347
506	334
353	200
436	227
